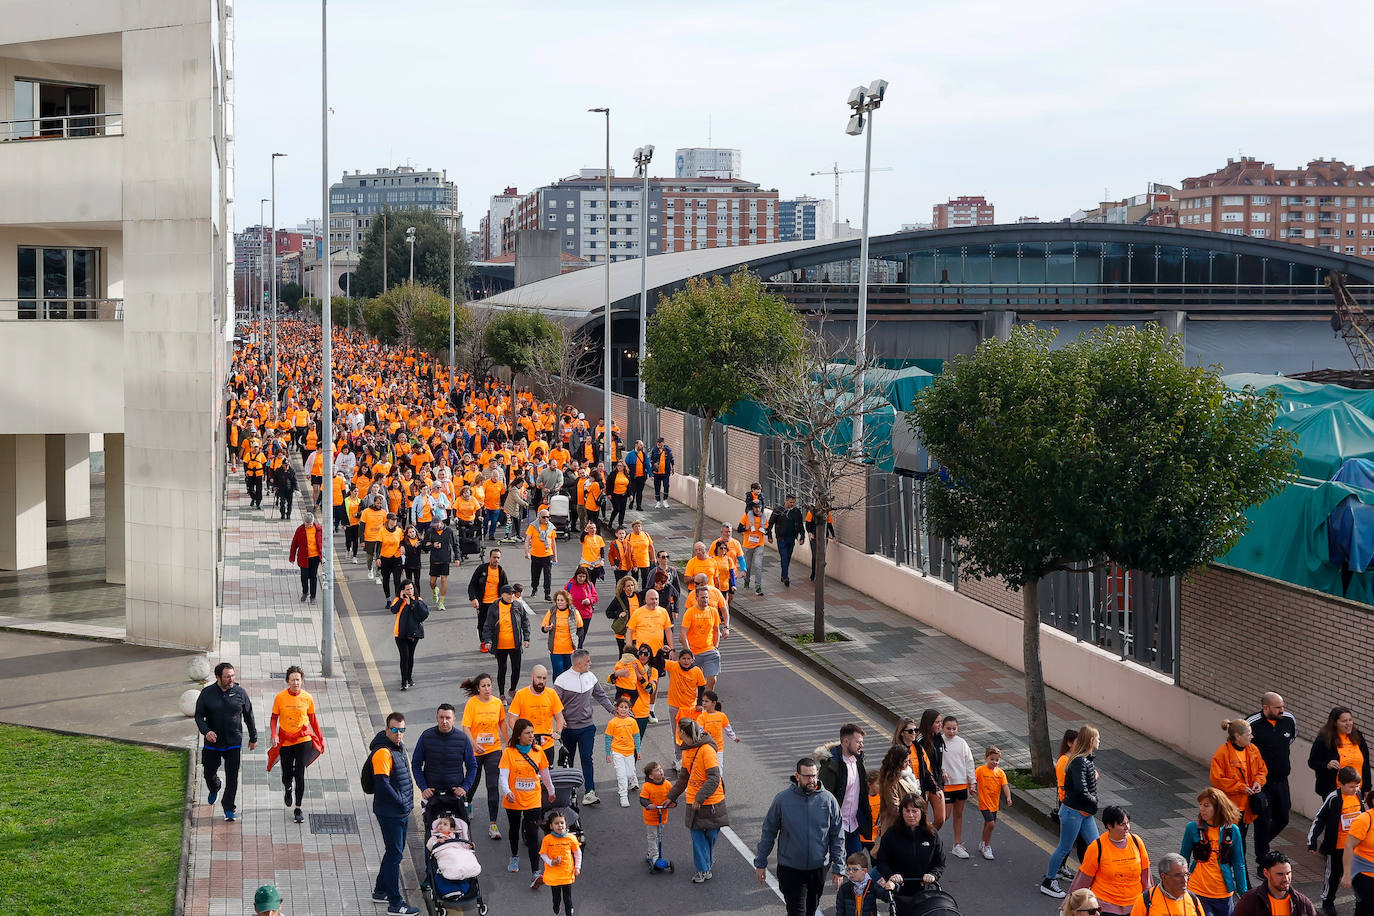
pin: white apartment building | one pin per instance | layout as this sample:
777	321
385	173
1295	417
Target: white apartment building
708	162
116	253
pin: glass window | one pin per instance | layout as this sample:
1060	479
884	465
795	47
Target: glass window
1033	257
1196	266
1059	262
1170	264
1224	267
1249	269
1142	266
949	266
1114	263
921	267
1004	266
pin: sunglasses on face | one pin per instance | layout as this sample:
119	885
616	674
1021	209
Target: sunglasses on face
398	731
1092	910
908	731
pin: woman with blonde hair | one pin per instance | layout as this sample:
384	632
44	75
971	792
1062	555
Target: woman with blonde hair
1080	903
1078	807
1215	851
1238	770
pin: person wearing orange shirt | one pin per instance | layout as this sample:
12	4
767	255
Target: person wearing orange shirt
751	530
700	562
703	629
699	779
523	768
562	623
1116	866
1238	769
493	495
390	555
561	854
622	748
992	786
1215	852
371	521
297	736
484	723
306	546
541	549
641	553
686	686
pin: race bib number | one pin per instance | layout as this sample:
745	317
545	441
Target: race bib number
1347	820
526	785
486	739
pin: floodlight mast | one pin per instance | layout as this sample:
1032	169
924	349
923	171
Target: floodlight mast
863	101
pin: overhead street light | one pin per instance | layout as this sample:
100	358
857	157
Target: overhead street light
275	157
410	240
863	101
606	342
643	156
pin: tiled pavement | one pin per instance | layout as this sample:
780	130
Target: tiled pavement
904	667
264	630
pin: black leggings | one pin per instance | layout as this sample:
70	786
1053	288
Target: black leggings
562	893
1364	894
310	577
489	765
351	540
526	822
501	656
617	510
293	768
391	573
406	647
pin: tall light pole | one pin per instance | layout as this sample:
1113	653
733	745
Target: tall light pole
326	366
262	272
643	155
410	240
275	157
348	277
863	101
606	341
451	224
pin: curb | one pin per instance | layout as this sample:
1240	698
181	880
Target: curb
184	871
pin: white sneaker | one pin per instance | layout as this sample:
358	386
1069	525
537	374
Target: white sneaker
653	719
591	799
959	851
987	853
624	802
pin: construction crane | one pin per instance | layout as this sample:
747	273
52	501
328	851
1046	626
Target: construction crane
1351	322
837	172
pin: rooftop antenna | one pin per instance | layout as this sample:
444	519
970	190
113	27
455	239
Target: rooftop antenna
708	130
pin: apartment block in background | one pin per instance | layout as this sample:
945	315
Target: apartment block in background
962	211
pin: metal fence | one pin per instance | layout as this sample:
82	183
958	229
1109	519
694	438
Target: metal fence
691	450
1128	613
641	420
896	526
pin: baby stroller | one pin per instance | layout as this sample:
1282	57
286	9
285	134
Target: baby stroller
469	540
930	901
441	894
567	800
560	513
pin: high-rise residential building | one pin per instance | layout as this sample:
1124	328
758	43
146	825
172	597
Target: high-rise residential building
366	194
498	208
1327	205
708	162
962	211
805	218
116	259
683	214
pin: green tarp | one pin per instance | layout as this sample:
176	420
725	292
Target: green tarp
752	416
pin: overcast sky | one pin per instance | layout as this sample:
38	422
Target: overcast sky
1039	106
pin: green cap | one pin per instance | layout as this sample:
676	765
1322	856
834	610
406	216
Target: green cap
267	898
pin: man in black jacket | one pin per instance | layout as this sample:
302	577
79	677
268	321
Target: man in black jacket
661	466
222	709
284	482
1274	730
787	522
443	759
441	545
480	586
1277	870
843	775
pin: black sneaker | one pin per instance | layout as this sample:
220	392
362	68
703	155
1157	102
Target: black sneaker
1050	888
288	798
298	817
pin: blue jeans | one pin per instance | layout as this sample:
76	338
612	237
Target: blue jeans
1072	824
1212	906
704	848
389	873
493	519
583	741
559	663
785	548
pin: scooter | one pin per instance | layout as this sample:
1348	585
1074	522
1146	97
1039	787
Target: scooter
658	863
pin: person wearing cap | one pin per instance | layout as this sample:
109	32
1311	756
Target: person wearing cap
267	901
541	549
661	466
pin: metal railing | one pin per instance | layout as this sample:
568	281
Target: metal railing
896	526
61	309
57	127
691	450
1126	612
641	422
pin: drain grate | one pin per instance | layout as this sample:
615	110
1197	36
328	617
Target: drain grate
333	823
1136	778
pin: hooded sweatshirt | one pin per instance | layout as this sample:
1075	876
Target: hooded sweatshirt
806	827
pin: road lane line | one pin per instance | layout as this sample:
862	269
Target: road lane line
743	850
369	660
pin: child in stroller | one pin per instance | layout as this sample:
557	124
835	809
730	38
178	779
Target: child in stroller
451	866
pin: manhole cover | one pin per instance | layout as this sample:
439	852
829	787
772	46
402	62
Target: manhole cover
333	823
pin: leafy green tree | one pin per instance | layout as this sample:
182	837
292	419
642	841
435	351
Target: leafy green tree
521	340
1110	449
431	254
703	345
339	311
290	296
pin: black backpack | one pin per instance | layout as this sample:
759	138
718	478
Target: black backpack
368	778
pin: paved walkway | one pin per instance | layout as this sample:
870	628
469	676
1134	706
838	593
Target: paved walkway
320	868
903	667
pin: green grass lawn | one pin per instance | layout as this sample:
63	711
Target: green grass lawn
87	825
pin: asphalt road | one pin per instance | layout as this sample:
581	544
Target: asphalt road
780	714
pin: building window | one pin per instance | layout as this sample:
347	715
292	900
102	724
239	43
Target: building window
566	232
1259	233
58	282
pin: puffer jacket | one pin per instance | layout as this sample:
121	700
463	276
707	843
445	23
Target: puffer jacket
1080	784
394	795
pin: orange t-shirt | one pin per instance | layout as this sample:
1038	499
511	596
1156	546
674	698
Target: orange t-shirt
990	781
1282	907
622	730
1116	872
563	849
505	626
715	724
656	793
541	545
292	715
483	721
1349	753
1350	809
683	684
592	545
642	549
524	779
1206	879
391	542
647	626
1364	836
697	760
699	627
1061	772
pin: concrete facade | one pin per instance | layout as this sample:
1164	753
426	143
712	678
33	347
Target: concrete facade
149	189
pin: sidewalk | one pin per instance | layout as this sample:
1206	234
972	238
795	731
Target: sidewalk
320	868
903	667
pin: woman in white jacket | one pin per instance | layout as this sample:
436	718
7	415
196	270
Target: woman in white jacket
958	767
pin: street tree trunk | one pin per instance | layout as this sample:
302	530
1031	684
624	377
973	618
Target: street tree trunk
1037	718
705	472
820	543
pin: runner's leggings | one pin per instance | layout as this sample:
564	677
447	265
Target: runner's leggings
293	768
526	823
502	655
489	766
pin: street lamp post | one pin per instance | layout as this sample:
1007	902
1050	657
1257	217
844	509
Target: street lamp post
451	224
348	277
643	155
256	311
410	240
863	101
326	365
275	157
606	340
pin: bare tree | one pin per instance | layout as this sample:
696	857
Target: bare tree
812	402
473	356
556	363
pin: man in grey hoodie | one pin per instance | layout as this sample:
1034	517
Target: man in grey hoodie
804	820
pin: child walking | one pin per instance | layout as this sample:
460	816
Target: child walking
958	767
654	799
562	857
859	894
992	788
622	749
875	806
716	723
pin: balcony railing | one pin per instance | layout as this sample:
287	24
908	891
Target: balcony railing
57	127
61	309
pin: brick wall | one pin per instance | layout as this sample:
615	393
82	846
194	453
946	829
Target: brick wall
670	428
1242	634
742	461
994	593
851	525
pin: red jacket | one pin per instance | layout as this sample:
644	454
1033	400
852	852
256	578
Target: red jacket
300	554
